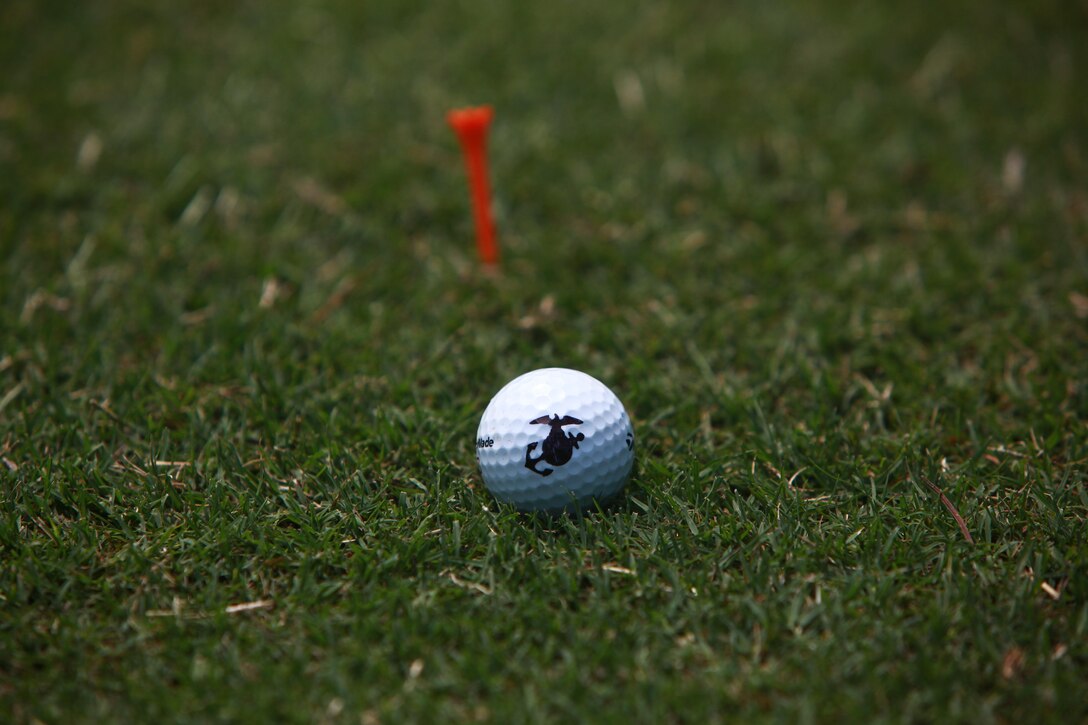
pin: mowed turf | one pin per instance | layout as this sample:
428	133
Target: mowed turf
832	256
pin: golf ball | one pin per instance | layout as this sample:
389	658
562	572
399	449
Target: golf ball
555	439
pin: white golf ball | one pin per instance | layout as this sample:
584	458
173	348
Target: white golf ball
555	439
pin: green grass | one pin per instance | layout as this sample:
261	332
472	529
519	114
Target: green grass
832	253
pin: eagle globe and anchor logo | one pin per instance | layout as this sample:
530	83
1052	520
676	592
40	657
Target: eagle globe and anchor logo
557	448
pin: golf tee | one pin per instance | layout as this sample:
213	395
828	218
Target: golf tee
470	125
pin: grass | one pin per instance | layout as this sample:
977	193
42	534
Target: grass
827	253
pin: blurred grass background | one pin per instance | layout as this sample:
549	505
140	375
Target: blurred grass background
824	251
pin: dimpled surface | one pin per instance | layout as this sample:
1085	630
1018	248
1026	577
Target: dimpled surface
508	441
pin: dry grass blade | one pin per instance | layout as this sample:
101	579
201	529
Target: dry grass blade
952	510
250	606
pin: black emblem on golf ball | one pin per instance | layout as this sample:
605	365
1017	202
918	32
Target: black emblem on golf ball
557	448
